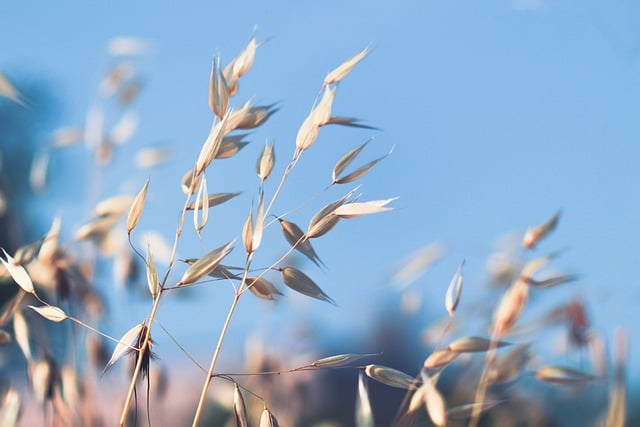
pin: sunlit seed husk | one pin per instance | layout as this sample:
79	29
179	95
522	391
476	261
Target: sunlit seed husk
535	234
434	402
463	412
218	90
152	273
251	117
21	334
239	408
340	360
151	156
187	183
265	163
262	288
562	375
346	160
204	265
136	208
324	220
552	281
338	73
50	312
117	205
389	376
300	282
452	297
229	148
219	271
25	254
322	112
297	239
11	408
247	233
201	209
308	133
211	145
64	137
215	199
267	419
360	172
124	129
440	358
243	62
38	173
417	399
510	308
18	273
9	91
124	344
364	414
475	344
356	209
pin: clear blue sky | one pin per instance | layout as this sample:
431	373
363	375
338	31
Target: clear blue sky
500	112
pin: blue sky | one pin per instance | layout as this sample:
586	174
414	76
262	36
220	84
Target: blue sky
500	113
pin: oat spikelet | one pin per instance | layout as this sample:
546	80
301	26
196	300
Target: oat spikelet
211	145
475	344
150	157
124	344
364	414
206	264
201	209
452	297
229	146
50	244
360	172
21	333
563	375
337	74
300	282
189	184
267	419
18	273
325	219
218	90
215	200
440	358
389	376
124	129
152	273
239	408
535	234
11	408
263	288
9	91
116	205
340	360
434	402
356	209
50	312
297	239
265	162
347	159
136	208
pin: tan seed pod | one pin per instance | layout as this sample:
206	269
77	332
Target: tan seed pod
265	162
50	312
117	205
201	209
18	273
440	358
356	209
308	133
215	200
340	360
535	234
219	271
243	62
96	228
346	160
300	282
136	208
297	239
262	288
434	402
475	344
218	90
239	408
211	145
508	367
364	414
229	147
188	184
417	399
324	220
563	375
206	264
124	344
510	308
322	112
360	172
452	297
389	376
247	233
152	273
267	419
9	91
21	334
337	74
250	116
11	408
348	121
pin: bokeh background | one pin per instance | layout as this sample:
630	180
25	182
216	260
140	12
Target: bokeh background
499	114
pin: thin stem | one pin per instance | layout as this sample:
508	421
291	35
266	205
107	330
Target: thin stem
214	360
290	166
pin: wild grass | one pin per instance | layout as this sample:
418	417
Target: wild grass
55	280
